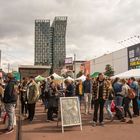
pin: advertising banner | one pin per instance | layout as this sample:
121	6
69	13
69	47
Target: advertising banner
134	56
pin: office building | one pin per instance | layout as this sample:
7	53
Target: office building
50	42
42	42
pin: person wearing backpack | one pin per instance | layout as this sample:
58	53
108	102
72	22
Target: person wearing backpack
10	99
117	87
134	86
127	100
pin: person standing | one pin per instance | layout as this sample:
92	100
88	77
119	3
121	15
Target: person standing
127	100
79	90
23	90
32	97
110	93
99	96
69	91
87	89
134	86
1	97
117	87
139	94
10	99
52	101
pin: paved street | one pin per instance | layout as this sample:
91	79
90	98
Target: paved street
41	130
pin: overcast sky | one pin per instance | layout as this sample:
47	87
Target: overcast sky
94	26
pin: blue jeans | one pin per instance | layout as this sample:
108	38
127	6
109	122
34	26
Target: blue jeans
118	100
10	110
108	108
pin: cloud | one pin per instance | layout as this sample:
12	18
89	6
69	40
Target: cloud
94	26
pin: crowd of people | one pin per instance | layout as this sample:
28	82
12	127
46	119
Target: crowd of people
117	97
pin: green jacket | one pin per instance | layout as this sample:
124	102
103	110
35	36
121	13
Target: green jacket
32	93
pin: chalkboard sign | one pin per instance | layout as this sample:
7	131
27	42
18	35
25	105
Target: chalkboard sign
70	112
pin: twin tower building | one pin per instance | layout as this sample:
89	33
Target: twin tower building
50	42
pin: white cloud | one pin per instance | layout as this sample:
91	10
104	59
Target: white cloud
94	26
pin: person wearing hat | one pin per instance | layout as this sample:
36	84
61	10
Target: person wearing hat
10	99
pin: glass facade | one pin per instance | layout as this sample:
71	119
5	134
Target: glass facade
50	42
42	42
59	41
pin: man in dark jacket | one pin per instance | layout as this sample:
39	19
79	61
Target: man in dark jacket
87	89
69	92
23	92
10	99
134	86
99	96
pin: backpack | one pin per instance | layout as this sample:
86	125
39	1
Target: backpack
131	93
111	95
117	87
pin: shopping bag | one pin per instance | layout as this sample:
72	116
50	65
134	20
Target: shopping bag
112	106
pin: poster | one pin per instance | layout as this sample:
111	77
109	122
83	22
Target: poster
134	57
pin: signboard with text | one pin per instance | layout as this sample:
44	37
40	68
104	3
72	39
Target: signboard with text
68	60
134	56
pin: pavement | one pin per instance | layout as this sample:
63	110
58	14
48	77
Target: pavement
42	130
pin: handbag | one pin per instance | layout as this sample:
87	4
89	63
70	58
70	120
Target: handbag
112	106
131	93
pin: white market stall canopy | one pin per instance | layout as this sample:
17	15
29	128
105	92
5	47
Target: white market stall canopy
39	78
130	73
57	77
83	78
69	78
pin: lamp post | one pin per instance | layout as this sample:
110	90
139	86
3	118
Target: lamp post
74	66
7	66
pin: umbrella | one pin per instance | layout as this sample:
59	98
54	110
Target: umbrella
95	74
16	75
39	78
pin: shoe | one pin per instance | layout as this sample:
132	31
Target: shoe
9	131
27	118
47	120
25	115
130	122
30	122
123	120
1	120
52	119
135	115
94	124
112	119
89	113
101	123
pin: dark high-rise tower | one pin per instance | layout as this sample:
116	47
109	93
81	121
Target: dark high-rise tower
59	41
42	42
50	42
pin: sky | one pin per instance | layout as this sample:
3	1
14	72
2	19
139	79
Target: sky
94	27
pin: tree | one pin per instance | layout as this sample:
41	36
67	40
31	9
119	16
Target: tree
109	71
79	74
